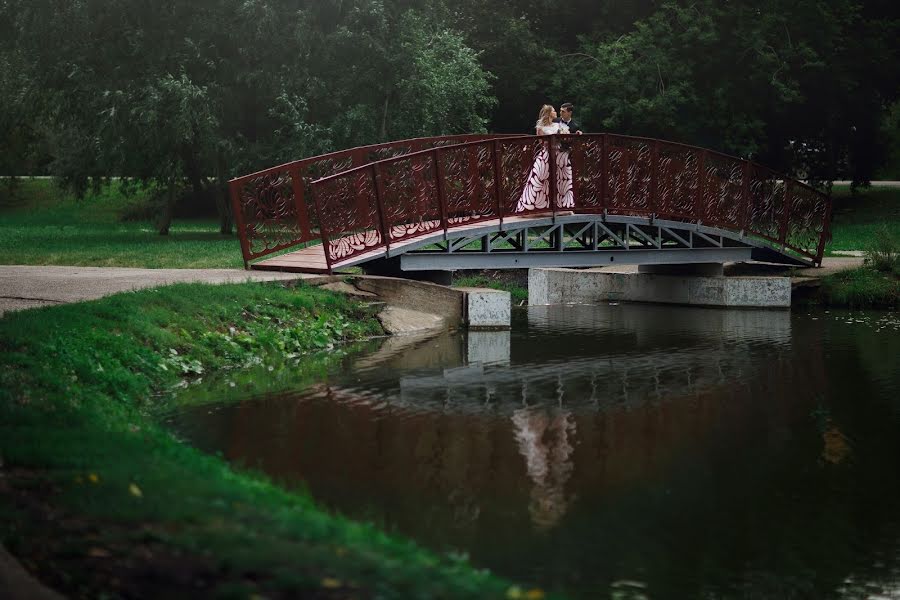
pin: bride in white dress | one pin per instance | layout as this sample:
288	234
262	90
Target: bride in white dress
536	195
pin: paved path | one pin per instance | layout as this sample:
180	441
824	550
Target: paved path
873	184
28	286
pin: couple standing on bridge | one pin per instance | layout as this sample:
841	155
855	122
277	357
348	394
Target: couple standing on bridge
536	195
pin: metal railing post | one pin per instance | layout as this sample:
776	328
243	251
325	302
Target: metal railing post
379	205
495	155
604	172
654	178
785	214
299	187
826	231
323	230
439	181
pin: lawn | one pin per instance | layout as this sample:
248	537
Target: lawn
100	500
857	217
41	225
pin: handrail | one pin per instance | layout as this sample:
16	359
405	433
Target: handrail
270	208
367	207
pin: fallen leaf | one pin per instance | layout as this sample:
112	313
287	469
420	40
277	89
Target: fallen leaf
93	478
99	553
135	491
331	583
514	593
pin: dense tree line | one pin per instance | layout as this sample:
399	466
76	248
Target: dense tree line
179	94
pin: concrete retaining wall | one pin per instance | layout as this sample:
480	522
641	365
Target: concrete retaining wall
459	307
573	286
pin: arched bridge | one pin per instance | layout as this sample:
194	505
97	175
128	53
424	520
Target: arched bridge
490	201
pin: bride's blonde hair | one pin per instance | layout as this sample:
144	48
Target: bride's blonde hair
544	116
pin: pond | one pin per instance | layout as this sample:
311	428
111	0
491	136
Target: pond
614	451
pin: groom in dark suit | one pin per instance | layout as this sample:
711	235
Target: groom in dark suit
565	117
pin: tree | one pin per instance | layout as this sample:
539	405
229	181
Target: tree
799	85
176	94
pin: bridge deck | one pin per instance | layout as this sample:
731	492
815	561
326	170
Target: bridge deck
312	258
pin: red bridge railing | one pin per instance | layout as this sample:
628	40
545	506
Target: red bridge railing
271	207
361	205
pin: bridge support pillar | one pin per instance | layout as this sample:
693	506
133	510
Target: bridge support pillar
697	269
570	286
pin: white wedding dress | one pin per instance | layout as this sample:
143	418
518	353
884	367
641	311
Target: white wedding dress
536	195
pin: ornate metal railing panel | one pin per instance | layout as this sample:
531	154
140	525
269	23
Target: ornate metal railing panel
467	183
271	208
409	196
628	175
349	213
678	179
454	182
722	201
766	203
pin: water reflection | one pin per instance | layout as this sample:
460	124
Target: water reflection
543	438
651	451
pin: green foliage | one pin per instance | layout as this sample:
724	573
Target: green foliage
518	293
861	288
859	213
193	90
883	251
89	470
891	131
797	85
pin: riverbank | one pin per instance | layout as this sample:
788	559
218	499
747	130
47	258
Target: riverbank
98	498
864	287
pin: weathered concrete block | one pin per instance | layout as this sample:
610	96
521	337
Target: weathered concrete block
487	308
758	291
572	286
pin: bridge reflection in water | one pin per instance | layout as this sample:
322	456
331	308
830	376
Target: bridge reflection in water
588	445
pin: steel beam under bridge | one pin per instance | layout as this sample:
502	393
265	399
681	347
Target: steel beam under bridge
581	241
433	261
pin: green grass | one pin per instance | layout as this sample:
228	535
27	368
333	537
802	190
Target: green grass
96	493
518	293
857	218
861	288
41	225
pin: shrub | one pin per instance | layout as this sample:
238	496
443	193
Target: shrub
883	252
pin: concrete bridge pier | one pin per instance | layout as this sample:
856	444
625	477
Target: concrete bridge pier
690	284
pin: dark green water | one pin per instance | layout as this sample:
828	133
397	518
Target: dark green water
611	451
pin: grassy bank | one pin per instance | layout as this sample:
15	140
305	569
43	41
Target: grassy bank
861	288
856	218
41	225
100	500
